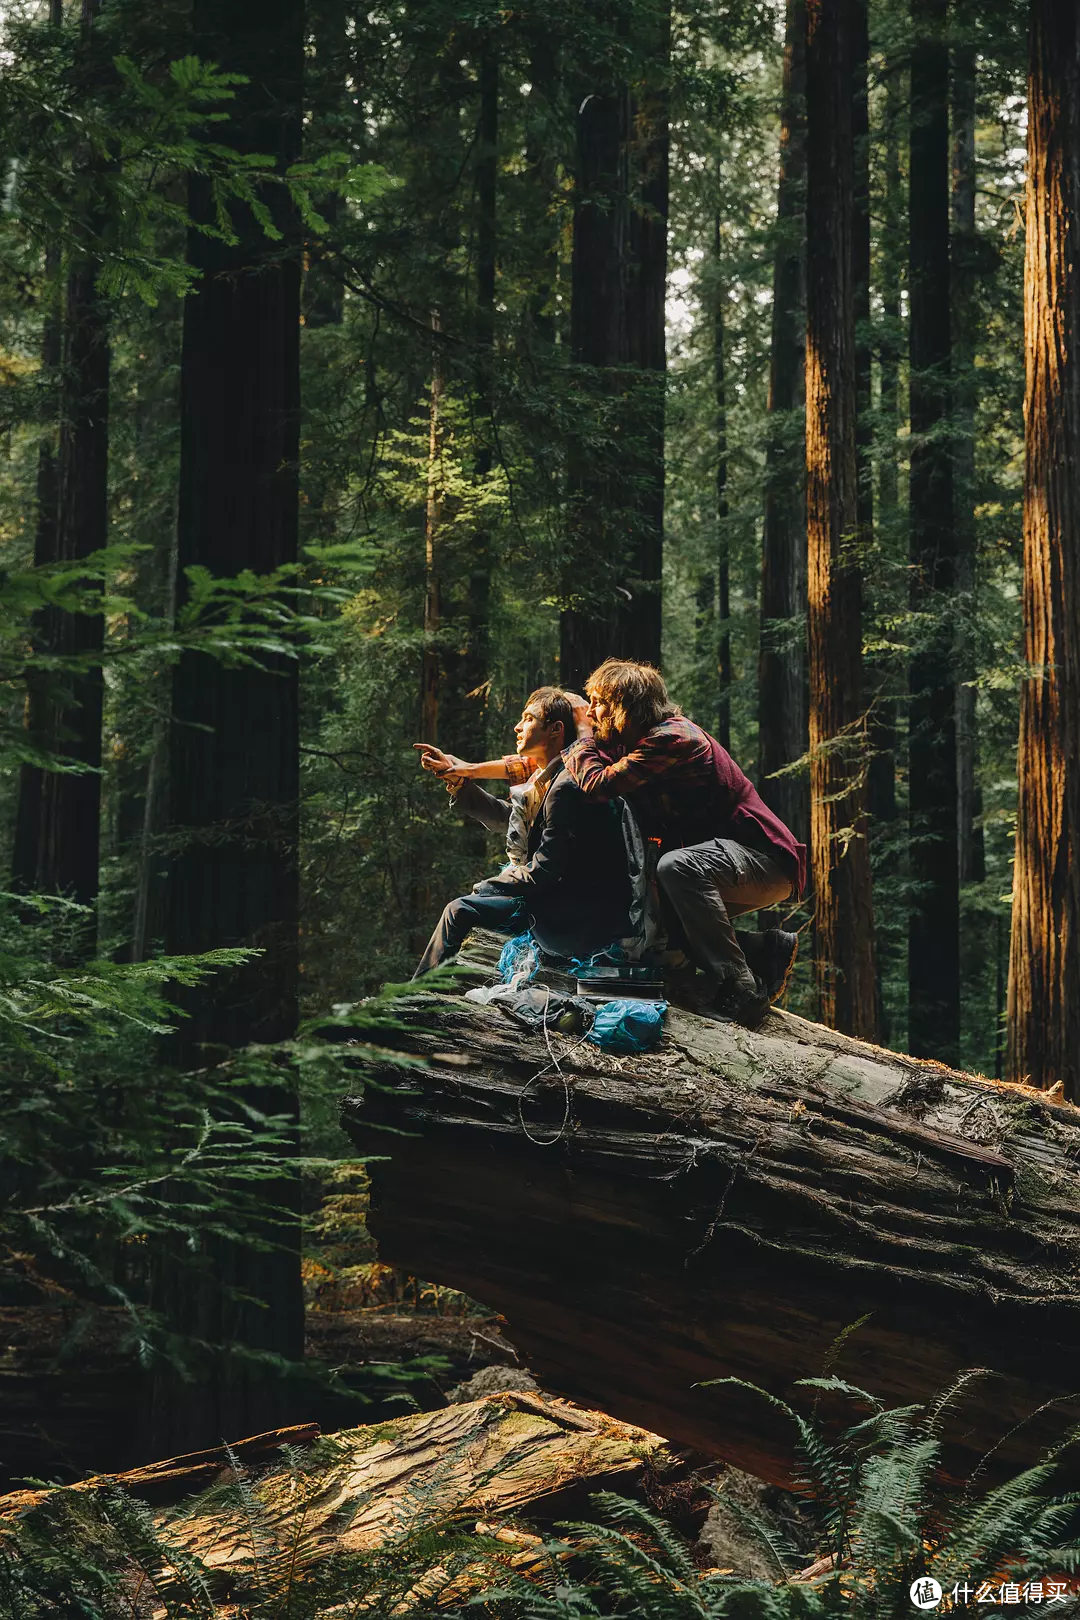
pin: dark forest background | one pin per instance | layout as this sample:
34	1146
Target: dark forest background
362	369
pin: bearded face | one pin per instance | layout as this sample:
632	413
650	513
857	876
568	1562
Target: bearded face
602	718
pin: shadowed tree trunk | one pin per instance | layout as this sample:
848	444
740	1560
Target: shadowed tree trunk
234	739
934	937
58	821
972	864
1044	982
844	939
782	698
618	281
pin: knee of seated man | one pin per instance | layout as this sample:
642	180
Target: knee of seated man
674	864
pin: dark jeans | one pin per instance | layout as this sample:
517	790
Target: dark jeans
502	913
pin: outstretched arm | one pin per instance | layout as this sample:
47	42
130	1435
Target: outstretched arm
511	768
434	759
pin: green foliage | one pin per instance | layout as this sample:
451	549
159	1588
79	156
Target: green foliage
883	1515
105	1149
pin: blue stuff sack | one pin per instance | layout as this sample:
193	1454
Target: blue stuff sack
518	960
628	1026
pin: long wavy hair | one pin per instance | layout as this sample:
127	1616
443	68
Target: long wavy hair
636	694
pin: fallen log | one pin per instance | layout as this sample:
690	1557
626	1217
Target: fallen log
383	1488
758	1205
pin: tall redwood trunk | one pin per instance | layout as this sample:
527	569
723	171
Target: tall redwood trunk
934	935
1044	981
233	774
618	279
782	698
844	944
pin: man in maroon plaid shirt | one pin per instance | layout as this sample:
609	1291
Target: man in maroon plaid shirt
722	850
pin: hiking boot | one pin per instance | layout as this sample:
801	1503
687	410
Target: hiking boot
683	987
778	959
742	1002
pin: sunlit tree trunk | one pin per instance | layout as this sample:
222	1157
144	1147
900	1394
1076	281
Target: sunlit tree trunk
844	943
1044	981
782	700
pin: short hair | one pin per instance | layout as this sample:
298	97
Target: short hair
636	693
554	705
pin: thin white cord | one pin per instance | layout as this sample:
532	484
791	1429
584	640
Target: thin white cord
549	1141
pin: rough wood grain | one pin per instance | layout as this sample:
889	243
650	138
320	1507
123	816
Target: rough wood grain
729	1206
363	1488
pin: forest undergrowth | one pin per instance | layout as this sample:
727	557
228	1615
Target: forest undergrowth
874	1518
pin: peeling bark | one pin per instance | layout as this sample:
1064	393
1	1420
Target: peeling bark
370	1486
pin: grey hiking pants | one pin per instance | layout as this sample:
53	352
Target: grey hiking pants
706	885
